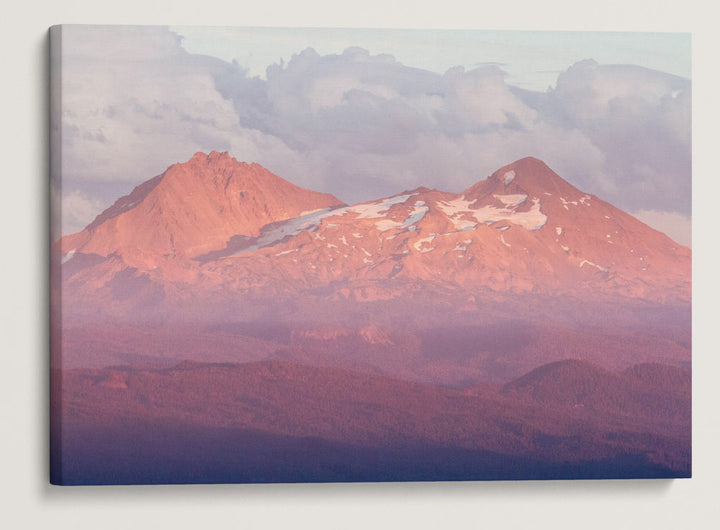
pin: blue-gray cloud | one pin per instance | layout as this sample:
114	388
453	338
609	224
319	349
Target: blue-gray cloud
362	126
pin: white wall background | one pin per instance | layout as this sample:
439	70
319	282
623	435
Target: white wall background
27	501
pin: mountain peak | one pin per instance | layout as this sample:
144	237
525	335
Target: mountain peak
201	155
529	175
529	167
522	229
197	206
213	157
528	171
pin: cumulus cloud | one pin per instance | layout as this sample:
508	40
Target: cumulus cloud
363	126
621	132
134	102
640	119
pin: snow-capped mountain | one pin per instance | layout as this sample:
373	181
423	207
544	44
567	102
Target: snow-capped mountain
214	230
218	306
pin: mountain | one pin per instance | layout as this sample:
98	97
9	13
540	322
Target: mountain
520	269
641	391
524	229
221	324
282	421
218	228
193	208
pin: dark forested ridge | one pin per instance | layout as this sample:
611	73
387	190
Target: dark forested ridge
285	422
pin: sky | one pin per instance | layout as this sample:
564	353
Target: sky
531	59
364	114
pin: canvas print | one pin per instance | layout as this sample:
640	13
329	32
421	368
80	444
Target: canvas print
336	255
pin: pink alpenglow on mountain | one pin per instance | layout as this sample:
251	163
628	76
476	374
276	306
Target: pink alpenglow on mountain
213	229
194	208
237	328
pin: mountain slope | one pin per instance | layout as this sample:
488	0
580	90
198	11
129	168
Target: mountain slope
634	393
506	233
213	231
360	340
241	422
195	207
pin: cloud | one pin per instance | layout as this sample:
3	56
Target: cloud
677	226
134	102
77	211
621	132
363	126
640	119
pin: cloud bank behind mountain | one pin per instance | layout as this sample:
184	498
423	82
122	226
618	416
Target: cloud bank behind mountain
361	126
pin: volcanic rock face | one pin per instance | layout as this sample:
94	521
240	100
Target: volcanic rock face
214	232
195	207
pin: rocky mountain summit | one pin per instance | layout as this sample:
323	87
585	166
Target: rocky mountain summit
213	232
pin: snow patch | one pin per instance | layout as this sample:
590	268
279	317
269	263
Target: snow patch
463	245
458	210
286	252
292	227
509	176
454	207
420	242
512	200
387	224
374	210
418	212
598	267
67	257
502	240
558	230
